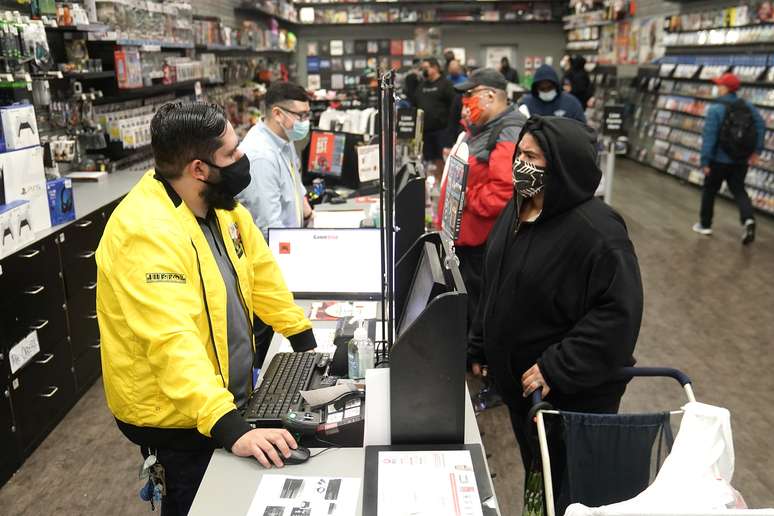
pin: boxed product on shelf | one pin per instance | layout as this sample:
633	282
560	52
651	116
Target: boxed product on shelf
15	227
61	204
20	128
24	179
128	68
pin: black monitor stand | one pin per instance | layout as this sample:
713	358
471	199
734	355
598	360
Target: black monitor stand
409	214
427	372
405	267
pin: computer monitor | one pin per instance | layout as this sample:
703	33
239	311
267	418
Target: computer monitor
333	156
329	263
428	283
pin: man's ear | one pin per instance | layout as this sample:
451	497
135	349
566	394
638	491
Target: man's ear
198	170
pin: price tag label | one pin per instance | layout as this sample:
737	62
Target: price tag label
21	353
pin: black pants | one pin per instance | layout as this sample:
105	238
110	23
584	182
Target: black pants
528	441
471	267
733	174
183	472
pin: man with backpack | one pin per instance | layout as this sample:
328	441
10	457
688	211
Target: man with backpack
733	137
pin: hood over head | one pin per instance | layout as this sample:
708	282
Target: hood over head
578	63
545	73
572	175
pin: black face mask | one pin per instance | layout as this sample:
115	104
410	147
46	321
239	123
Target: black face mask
528	181
233	179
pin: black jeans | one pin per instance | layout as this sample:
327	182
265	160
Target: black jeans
733	174
471	268
183	472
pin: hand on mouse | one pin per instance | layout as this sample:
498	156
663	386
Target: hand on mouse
261	442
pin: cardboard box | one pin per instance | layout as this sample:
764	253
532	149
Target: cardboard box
20	129
24	179
61	203
15	227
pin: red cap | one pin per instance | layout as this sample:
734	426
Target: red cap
728	80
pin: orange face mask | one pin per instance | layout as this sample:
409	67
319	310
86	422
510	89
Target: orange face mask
473	105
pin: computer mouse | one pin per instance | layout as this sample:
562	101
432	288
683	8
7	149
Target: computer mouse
297	456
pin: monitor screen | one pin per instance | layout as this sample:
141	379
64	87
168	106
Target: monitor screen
326	153
328	262
428	282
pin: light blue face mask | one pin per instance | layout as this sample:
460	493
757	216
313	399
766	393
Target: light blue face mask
299	131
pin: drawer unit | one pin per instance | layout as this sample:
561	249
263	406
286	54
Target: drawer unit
10	457
88	367
33	295
82	236
42	392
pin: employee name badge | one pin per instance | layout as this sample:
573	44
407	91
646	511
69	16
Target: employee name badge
236	238
456	177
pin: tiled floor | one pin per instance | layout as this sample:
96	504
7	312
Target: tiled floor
708	311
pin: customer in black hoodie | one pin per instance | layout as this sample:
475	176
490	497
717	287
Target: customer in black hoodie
561	303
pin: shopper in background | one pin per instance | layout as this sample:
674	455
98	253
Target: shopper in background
492	129
448	57
561	302
181	269
456	73
275	197
733	136
412	80
510	74
577	81
434	96
548	99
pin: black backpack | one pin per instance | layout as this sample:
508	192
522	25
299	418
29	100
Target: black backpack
738	135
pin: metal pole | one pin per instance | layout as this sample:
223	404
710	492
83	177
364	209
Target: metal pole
609	171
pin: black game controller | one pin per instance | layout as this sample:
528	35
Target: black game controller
25	125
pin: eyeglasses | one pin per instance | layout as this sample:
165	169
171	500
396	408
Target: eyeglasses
472	92
303	117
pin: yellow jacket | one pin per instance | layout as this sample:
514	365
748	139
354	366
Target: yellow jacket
161	306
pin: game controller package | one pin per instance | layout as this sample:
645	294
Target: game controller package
24	179
15	228
20	129
60	201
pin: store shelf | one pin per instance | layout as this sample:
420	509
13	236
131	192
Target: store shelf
762	84
446	23
142	42
242	50
694	131
418	3
85	76
95	27
726	48
693	31
149	91
256	11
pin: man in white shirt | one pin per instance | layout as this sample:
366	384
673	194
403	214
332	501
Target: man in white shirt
276	197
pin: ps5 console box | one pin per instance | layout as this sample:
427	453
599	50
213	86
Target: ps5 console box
24	179
61	205
15	228
20	129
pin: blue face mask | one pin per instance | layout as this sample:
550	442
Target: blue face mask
299	131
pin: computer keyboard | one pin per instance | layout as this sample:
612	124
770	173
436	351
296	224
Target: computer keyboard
287	374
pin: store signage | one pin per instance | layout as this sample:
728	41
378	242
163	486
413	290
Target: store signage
613	120
407	124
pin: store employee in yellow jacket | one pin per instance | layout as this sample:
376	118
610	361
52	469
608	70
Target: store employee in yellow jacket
182	268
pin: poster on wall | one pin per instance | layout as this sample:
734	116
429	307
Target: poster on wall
622	42
494	55
459	53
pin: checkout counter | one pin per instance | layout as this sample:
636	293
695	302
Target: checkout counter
231	482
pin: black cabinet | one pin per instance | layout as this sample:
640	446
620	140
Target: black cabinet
10	457
48	288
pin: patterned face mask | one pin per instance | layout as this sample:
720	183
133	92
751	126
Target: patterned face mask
528	179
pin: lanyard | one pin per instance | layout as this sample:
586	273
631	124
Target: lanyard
298	200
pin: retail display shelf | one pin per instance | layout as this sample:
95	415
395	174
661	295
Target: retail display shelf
704	29
423	23
761	84
127	42
241	49
148	91
724	47
95	27
257	11
411	3
694	131
713	99
85	76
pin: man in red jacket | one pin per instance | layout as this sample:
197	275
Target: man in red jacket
493	127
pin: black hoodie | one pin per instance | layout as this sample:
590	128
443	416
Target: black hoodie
565	290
